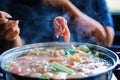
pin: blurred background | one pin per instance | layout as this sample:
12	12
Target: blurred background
114	7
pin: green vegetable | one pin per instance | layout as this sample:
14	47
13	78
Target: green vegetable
62	68
84	48
69	52
43	77
97	54
54	70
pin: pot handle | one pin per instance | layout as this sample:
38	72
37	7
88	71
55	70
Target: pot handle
118	66
116	49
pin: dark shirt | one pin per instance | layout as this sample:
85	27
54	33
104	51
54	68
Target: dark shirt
37	24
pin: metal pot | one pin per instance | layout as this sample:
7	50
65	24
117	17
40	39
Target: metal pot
15	52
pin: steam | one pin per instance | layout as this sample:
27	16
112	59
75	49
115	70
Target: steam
83	36
78	34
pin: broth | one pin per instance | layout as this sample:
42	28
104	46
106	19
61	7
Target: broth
76	62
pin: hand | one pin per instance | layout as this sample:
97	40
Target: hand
9	29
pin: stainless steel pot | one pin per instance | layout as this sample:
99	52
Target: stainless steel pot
15	52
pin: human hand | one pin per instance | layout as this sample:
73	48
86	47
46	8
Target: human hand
9	29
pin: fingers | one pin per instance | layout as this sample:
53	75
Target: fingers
3	20
12	33
9	30
4	14
10	24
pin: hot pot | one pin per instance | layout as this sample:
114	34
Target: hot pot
18	51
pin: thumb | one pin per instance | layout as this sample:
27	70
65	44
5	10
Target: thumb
4	15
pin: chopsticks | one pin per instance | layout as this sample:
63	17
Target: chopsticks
14	19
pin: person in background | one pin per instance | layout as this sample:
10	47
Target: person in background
88	21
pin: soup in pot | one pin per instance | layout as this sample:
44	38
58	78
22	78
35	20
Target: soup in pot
75	62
